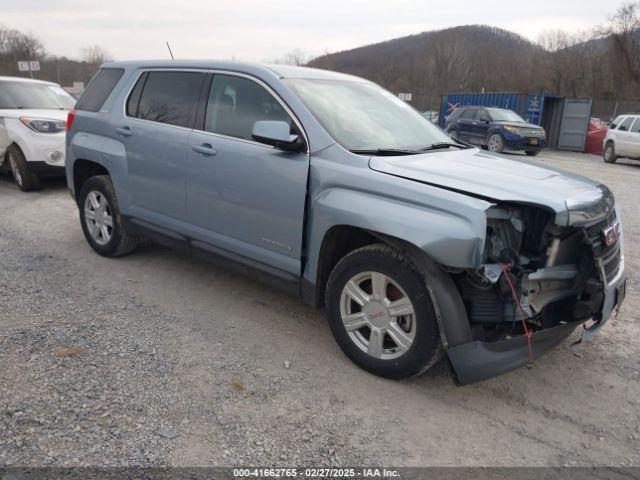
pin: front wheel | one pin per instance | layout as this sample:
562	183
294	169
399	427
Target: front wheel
101	221
495	143
381	314
609	154
22	174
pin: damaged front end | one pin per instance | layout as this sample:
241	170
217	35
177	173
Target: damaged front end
542	275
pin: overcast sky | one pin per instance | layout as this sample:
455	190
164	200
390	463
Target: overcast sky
259	30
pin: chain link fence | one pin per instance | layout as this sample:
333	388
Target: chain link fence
62	71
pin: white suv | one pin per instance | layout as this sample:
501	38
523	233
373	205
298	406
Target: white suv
33	117
623	138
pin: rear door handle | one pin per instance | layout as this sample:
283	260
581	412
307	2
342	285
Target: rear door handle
124	131
205	149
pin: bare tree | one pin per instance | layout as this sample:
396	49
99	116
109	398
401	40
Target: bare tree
623	32
95	55
294	57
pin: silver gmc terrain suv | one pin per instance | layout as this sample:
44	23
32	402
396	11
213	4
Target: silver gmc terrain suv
415	244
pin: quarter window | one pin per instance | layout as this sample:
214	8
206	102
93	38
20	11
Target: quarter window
235	104
169	97
99	88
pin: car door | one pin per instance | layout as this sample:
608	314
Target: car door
159	116
465	124
634	139
480	125
244	197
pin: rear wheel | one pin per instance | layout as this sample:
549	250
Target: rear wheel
101	221
381	314
532	153
495	143
24	177
609	154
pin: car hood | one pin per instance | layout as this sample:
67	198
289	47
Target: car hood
52	114
498	178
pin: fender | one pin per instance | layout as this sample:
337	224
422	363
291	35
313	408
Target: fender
104	151
452	238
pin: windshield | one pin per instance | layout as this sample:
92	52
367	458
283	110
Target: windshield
363	116
499	115
34	96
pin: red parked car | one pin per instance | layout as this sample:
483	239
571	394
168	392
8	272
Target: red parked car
595	135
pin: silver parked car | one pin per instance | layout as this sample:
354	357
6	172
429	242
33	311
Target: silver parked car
329	186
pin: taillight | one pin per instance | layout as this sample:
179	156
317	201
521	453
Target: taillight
70	117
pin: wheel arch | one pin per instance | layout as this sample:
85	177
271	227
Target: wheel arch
83	170
450	312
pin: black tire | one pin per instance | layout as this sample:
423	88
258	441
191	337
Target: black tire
24	177
426	348
497	145
609	154
120	242
532	153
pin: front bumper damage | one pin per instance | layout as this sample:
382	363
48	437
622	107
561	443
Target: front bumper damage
479	360
476	361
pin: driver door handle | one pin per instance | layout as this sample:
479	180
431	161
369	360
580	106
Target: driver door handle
124	131
205	149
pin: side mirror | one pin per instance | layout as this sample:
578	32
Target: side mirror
278	134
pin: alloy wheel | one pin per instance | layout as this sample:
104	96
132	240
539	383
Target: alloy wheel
98	218
494	143
378	315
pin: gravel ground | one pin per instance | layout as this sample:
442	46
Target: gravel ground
157	359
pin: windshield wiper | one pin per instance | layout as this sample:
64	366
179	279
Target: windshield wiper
439	145
386	152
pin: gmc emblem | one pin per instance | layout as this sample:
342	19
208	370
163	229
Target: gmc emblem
611	234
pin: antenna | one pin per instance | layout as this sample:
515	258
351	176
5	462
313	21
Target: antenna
169	47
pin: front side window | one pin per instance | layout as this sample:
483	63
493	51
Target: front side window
28	95
482	115
364	116
626	124
170	97
615	123
236	103
635	128
500	115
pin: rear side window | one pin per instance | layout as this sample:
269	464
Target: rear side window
626	124
169	97
615	123
99	89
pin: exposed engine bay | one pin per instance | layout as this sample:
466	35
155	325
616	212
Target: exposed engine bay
536	274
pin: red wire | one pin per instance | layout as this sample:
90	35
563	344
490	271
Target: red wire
527	333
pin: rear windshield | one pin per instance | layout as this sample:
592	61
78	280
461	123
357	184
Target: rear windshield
99	89
28	95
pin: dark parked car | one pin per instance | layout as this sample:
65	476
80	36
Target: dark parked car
496	129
